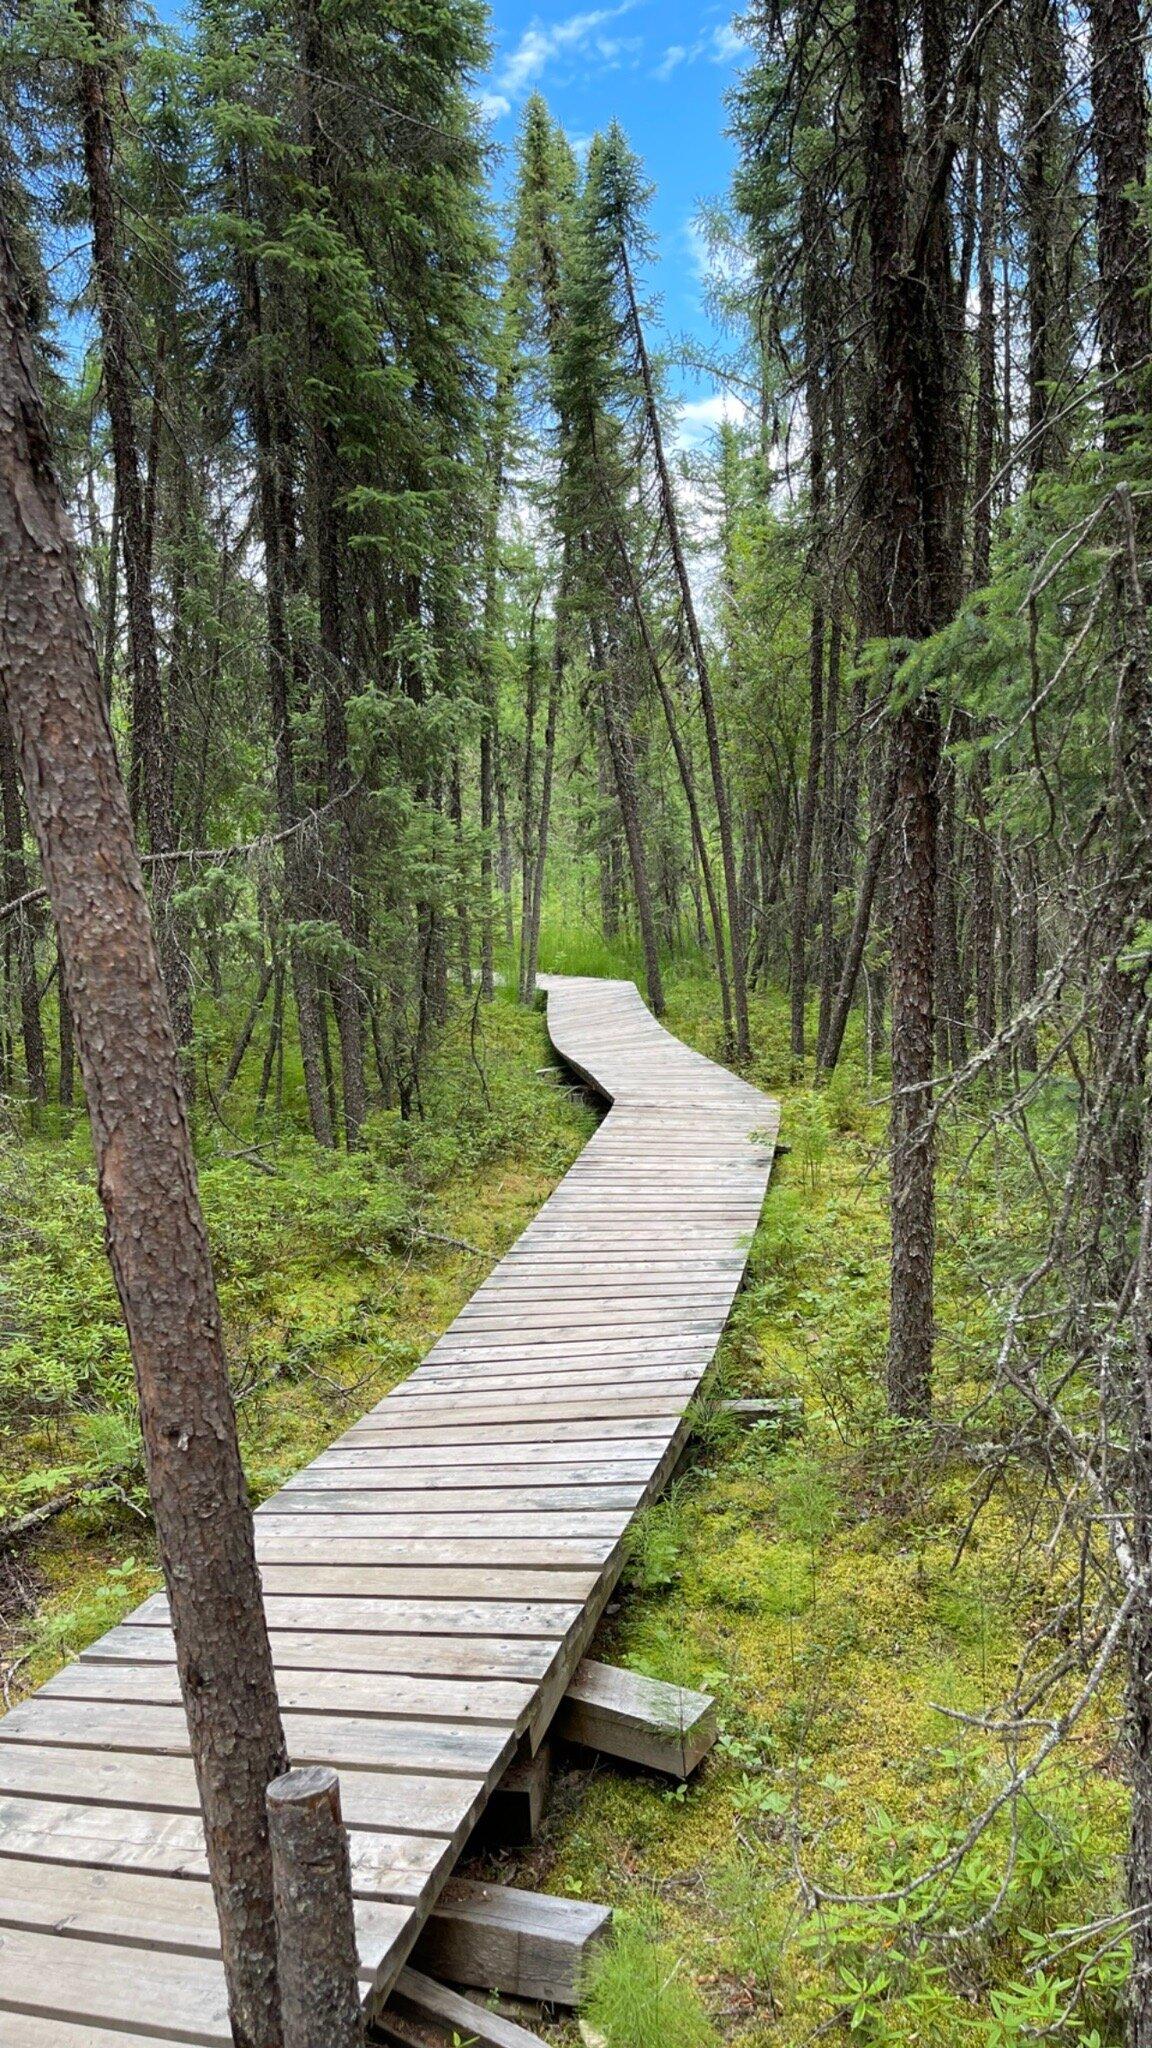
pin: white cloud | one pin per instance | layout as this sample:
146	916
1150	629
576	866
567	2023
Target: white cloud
541	43
701	417
722	45
699	249
494	106
727	45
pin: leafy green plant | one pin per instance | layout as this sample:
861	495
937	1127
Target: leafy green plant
653	1546
808	1133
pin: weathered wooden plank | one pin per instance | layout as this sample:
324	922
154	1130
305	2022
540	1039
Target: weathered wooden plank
642	1720
292	1543
450	1582
26	2030
76	1980
483	1526
544	1397
381	1471
784	1411
628	1421
387	1868
451	1656
372	1695
572	1503
522	1944
465	1615
399	1801
448	1751
144	1910
418	1998
400	1458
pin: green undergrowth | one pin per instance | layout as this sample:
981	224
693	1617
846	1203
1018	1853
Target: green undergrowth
336	1274
826	1581
819	1580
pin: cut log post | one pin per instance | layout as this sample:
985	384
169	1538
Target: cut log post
315	1928
523	1944
641	1720
421	2013
513	1814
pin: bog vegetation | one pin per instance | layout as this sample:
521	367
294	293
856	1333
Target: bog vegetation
432	663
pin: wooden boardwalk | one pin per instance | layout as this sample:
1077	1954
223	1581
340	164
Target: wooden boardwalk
431	1581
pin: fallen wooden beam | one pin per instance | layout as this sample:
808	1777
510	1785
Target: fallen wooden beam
523	1944
782	1410
641	1720
515	1810
422	2014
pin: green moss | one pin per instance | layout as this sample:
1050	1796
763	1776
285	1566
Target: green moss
820	1588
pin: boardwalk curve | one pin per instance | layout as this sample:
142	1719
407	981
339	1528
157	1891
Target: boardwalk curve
431	1581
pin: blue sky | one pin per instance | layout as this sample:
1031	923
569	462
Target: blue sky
661	68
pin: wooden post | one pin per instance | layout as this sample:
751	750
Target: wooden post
315	1929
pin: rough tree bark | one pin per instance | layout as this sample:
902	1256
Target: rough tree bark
149	773
15	889
628	797
909	583
319	1986
815	351
270	494
155	1233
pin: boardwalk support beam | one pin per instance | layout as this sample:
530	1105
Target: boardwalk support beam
523	1944
640	1720
785	1411
421	2012
315	1930
515	1810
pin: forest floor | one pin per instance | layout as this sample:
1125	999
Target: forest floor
828	1583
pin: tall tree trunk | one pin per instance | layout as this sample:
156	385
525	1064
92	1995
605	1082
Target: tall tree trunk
812	210
911	588
147	1180
527	821
15	888
463	920
874	860
1120	143
798	965
280	670
531	950
829	823
687	779
347	995
149	768
984	434
703	674
1040	180
627	795
346	991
